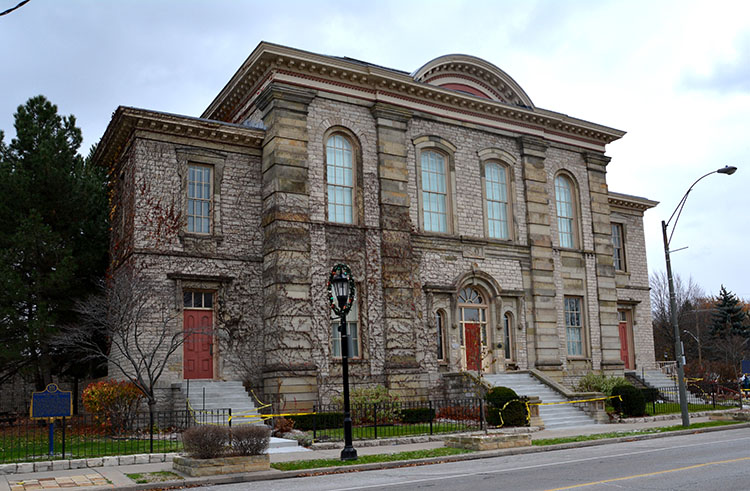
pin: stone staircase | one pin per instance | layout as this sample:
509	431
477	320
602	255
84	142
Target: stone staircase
659	380
554	416
212	395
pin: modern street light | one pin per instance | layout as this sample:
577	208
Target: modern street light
341	290
728	170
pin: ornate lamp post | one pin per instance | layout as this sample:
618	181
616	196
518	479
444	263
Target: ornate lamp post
341	292
678	353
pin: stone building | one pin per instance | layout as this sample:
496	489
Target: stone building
480	228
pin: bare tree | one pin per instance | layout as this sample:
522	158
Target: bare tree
688	295
131	325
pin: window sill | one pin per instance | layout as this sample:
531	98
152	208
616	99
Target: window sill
578	358
351	360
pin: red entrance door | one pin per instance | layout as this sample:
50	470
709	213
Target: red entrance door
473	347
198	347
624	350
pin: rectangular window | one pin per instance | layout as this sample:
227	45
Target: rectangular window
199	197
496	189
434	192
618	249
574	325
439	323
198	300
352	322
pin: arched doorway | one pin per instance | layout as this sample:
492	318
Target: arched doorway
472	316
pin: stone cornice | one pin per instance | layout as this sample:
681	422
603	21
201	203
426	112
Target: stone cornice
630	202
127	120
371	83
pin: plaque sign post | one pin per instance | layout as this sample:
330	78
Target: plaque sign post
49	404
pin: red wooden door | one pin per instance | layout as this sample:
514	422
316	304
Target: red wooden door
198	347
624	351
473	347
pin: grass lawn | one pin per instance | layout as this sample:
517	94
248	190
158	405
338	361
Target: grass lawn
368	459
22	448
618	434
158	476
368	432
674	407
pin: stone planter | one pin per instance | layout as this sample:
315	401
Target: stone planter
220	465
489	442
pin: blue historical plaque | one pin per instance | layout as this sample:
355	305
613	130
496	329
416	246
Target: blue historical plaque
746	366
51	403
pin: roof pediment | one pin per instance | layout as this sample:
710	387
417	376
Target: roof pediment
474	76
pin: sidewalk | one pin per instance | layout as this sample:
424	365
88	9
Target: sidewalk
117	476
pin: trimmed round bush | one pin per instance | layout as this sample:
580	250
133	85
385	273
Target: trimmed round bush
250	439
633	402
515	414
498	396
205	442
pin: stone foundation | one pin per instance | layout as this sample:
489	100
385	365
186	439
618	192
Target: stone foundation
221	465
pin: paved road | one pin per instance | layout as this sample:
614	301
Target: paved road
707	461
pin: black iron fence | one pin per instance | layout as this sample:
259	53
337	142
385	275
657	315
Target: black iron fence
396	419
700	396
89	436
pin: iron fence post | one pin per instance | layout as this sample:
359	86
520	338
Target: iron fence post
481	414
315	420
63	437
432	416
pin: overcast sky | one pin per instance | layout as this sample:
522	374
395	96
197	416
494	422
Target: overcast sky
674	75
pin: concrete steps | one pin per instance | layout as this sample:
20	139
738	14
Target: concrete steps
659	380
211	395
554	416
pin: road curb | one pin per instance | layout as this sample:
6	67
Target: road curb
276	474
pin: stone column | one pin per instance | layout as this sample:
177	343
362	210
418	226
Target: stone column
289	373
398	272
596	164
542	337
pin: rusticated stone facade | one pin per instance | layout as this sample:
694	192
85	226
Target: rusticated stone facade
426	299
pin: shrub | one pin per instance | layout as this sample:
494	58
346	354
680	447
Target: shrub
205	442
458	413
362	402
515	413
499	396
633	403
417	415
651	394
594	382
322	421
113	404
250	439
282	425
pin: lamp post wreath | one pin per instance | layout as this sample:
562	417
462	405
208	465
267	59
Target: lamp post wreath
343	270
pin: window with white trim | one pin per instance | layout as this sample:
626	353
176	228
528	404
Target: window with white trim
574	326
434	191
440	334
566	211
352	322
496	194
199	199
618	247
341	178
508	335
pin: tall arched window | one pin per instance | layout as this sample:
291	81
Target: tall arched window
434	191
566	211
496	192
340	177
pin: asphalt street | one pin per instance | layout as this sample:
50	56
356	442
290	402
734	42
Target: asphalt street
707	461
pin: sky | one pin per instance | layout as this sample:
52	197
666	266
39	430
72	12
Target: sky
674	74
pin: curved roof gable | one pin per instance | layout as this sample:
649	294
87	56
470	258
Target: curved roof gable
474	76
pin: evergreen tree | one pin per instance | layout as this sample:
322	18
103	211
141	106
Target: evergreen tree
728	317
53	242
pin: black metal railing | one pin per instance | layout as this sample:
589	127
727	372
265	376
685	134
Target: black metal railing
701	397
395	419
89	436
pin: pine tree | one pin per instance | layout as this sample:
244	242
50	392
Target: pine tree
53	242
728	317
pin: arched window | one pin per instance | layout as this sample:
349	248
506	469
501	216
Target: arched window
566	211
508	335
434	191
498	205
440	334
341	178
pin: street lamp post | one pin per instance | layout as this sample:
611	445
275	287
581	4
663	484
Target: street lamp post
341	292
678	353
